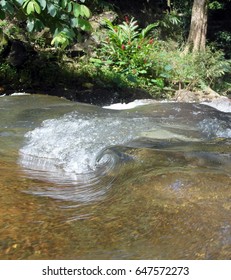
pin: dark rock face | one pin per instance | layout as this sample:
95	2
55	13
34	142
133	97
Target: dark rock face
99	96
18	53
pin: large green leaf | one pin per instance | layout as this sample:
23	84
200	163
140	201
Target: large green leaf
25	3
85	11
146	30
37	8
30	8
76	9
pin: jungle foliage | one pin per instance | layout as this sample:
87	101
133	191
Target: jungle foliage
130	51
64	18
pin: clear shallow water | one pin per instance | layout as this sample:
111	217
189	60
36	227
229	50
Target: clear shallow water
82	182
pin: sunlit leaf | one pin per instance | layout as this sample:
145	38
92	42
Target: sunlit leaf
25	3
85	11
30	8
43	4
96	61
146	30
61	39
37	8
77	9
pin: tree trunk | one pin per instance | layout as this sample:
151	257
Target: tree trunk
198	28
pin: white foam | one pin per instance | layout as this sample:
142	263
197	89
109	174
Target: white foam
222	104
72	144
19	94
130	105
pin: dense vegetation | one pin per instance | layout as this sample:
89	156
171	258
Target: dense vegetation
82	46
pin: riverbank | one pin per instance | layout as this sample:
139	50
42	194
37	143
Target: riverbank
92	95
160	71
109	96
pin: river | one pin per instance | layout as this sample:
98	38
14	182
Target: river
84	182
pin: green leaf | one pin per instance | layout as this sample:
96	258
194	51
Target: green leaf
84	25
142	71
43	4
108	62
69	7
146	30
52	10
38	26
159	82
76	9
63	3
85	11
30	8
25	3
74	22
61	39
37	8
96	60
20	2
30	25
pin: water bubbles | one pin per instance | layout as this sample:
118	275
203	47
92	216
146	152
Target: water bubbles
80	150
214	127
75	144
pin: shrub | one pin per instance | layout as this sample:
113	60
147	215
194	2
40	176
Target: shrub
126	50
157	66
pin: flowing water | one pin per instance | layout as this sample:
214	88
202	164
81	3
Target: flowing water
83	182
